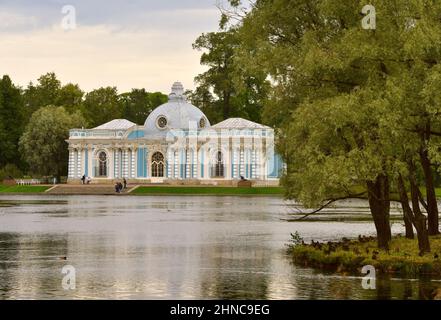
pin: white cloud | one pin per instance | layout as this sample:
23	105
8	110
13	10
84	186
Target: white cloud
14	21
151	55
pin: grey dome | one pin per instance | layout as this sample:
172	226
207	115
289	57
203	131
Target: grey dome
177	112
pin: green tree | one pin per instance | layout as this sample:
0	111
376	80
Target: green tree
137	104
11	121
43	144
70	96
322	62
225	91
101	105
44	93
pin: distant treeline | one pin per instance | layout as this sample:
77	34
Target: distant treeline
18	106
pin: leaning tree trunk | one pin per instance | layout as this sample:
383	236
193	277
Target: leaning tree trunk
407	211
379	202
432	205
420	220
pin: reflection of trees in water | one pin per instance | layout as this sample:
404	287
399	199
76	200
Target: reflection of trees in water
7	262
31	264
319	286
393	288
235	272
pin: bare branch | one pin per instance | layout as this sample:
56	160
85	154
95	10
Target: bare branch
331	201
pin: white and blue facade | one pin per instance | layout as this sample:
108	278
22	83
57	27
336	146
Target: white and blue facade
176	145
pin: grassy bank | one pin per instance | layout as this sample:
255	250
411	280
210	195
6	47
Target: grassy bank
23	189
349	256
208	190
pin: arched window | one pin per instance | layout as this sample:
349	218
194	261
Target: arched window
102	164
157	165
218	168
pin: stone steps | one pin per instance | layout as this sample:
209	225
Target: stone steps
85	189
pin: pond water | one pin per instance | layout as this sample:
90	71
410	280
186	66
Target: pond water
177	247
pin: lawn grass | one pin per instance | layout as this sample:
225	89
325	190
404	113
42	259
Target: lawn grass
23	189
437	192
208	190
350	256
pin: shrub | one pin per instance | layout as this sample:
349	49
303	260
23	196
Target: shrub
10	170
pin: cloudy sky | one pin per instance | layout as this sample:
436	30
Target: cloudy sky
123	43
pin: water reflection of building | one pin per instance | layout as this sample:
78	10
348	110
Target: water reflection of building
176	144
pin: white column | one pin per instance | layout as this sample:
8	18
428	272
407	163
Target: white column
75	169
130	163
241	163
253	164
176	164
134	162
125	163
227	163
79	163
116	164
187	163
235	166
90	159
258	163
110	164
194	169
207	163
71	173
170	161
200	162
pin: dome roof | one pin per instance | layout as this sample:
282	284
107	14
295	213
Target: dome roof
177	113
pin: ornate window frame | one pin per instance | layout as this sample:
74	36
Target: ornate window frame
158	125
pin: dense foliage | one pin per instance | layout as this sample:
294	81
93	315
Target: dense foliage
357	110
29	115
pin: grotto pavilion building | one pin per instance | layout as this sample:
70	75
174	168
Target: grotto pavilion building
176	145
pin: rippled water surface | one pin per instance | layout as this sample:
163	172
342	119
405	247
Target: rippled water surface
176	247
